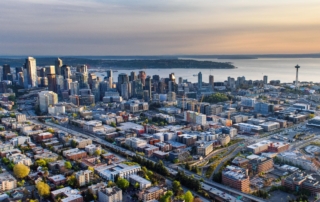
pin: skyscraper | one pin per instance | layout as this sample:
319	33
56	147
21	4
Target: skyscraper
142	77
60	84
180	80
65	71
265	79
6	70
30	73
50	70
133	76
199	80
74	88
148	86
52	82
211	81
82	69
58	64
18	69
109	73
172	78
47	98
122	78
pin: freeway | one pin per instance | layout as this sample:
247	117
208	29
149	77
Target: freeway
98	140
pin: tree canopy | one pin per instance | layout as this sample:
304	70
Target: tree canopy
215	98
166	197
68	165
43	189
188	197
21	171
122	183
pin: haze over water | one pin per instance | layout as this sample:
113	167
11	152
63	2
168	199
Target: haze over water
275	68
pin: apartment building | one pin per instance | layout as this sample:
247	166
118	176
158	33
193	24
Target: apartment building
109	172
259	165
74	154
302	180
7	182
113	194
143	183
18	158
84	177
135	142
68	195
151	193
81	142
91	148
20	140
236	178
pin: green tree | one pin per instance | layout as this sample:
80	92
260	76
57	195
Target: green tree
72	181
50	130
21	171
166	197
111	184
21	183
97	152
188	197
74	144
43	189
122	183
176	188
74	115
91	168
41	162
113	124
68	165
137	185
5	160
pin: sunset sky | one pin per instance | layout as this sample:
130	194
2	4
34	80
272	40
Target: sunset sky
154	27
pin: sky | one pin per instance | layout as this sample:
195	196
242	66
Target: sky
159	27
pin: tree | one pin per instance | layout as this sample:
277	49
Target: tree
166	197
91	168
188	197
50	130
122	183
311	116
176	188
113	124
74	115
68	165
72	180
21	171
21	183
41	162
97	152
137	185
74	144
43	189
111	184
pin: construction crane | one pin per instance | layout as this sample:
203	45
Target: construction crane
229	121
200	103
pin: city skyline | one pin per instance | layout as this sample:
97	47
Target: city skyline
57	27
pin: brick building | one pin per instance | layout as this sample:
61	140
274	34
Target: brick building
259	165
236	178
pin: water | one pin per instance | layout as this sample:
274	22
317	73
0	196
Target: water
275	68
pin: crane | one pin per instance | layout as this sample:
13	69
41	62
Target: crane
200	103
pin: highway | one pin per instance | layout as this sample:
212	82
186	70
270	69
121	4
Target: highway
98	140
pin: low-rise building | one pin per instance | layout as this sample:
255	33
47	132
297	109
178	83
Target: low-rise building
143	183
135	142
81	142
74	154
92	148
84	177
113	194
204	148
236	178
302	180
68	195
20	140
7	182
109	172
57	179
270	126
151	193
260	165
20	159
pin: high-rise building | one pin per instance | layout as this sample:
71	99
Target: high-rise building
18	69
172	78
30	73
74	88
171	96
109	73
65	71
155	78
52	83
50	70
60	84
96	89
122	78
142	76
20	79
137	89
91	78
211	81
58	64
133	76
67	84
199	80
265	79
104	87
148	86
47	98
82	69
180	80
82	78
125	90
6	70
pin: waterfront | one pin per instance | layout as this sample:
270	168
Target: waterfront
276	68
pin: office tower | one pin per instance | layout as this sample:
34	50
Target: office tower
137	89
60	84
82	69
82	78
146	96
74	88
20	79
265	79
122	78
52	82
148	85
125	91
170	83
171	96
44	81
142	76
96	89
58	64
50	70
110	81
104	86
199	80
155	78
5	71
18	69
211	81
133	76
47	98
65	71
180	80
297	74
91	78
172	78
67	84
10	77
30	72
109	73
42	72
86	97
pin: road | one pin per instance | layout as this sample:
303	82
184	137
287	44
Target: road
130	153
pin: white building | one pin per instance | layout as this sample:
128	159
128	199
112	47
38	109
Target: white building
201	119
47	98
135	142
109	172
57	110
143	183
20	140
20	159
248	102
7	182
84	177
113	194
91	148
68	194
